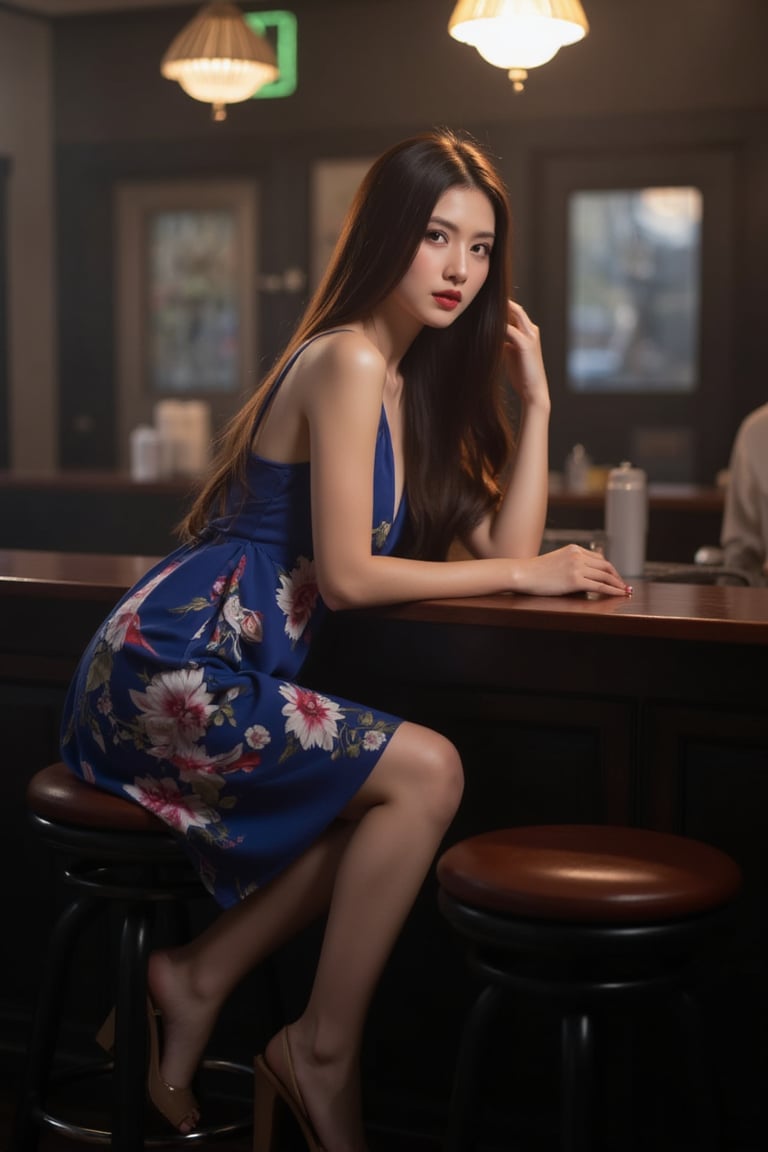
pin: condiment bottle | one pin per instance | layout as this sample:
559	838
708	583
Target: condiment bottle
626	519
144	453
577	465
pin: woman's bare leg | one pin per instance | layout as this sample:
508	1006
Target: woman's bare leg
374	865
189	984
403	811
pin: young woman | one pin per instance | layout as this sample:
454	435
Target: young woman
378	439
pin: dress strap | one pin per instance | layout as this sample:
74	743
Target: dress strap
284	372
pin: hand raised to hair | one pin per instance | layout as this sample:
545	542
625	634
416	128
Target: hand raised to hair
525	362
569	569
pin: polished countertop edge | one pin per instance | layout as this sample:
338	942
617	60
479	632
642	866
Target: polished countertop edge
70	575
655	609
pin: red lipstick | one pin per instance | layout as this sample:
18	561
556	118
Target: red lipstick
448	299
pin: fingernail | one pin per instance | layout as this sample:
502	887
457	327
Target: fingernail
628	589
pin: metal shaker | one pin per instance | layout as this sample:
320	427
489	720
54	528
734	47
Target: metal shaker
626	519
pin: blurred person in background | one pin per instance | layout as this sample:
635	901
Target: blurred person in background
744	535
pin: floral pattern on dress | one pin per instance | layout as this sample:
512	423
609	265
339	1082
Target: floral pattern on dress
297	597
380	533
234	622
188	700
121	628
174	711
124	625
163	798
312	721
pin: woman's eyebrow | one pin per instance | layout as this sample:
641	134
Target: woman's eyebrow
454	227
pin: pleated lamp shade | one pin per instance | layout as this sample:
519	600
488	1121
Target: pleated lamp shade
218	59
518	34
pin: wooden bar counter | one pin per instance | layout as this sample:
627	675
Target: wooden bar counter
70	575
665	610
648	710
693	611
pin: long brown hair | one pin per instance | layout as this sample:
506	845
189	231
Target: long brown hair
457	435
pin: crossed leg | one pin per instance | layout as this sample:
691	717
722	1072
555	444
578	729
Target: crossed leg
366	871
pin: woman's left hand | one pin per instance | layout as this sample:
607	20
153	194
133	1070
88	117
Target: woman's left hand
525	362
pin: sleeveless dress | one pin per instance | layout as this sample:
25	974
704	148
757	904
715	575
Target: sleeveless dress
186	699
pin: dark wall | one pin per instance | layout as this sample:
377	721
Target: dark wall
682	87
4	398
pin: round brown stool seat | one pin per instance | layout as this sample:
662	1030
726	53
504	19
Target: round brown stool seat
55	794
584	916
124	866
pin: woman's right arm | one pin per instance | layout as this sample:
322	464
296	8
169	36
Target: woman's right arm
341	393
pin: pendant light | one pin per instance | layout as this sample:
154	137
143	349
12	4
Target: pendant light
518	34
218	59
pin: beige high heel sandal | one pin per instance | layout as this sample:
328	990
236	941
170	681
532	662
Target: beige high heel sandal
177	1105
271	1094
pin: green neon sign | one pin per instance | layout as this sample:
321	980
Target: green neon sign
280	28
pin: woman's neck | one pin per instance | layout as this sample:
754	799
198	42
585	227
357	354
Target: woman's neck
393	332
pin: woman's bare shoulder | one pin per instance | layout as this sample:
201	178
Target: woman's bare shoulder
340	355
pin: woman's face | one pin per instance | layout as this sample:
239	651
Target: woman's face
452	261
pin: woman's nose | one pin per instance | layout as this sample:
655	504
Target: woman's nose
456	270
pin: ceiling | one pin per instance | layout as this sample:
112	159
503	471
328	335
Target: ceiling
66	7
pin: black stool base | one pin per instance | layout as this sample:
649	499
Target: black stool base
123	882
82	1114
584	974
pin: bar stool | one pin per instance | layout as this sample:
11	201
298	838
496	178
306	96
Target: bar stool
122	863
589	917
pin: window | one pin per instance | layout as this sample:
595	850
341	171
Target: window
186	278
632	284
193	306
633	289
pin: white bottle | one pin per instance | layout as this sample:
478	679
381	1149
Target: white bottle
144	453
626	519
577	465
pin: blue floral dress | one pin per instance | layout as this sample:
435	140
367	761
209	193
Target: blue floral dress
186	700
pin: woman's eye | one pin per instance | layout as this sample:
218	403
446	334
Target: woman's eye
482	249
435	236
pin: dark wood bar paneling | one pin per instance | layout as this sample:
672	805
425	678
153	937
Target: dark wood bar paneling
108	512
91	512
649	710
